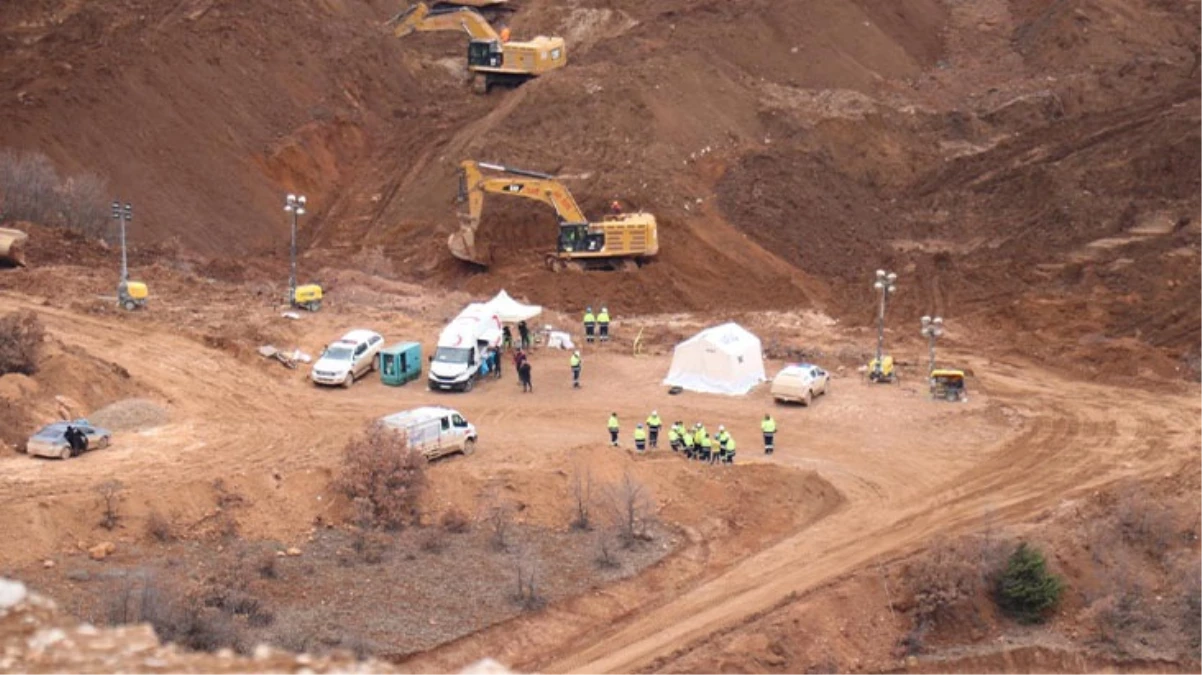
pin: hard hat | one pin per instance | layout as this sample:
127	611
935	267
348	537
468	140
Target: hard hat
654	412
604	308
588	309
721	428
576	353
640	425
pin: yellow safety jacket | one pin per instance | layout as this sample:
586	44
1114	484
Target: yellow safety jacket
603	317
688	440
654	422
768	426
613	422
589	318
575	361
673	435
706	442
640	434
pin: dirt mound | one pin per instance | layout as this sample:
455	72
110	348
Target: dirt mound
69	383
131	414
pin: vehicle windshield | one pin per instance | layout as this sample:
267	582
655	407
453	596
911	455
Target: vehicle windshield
51	434
338	354
452	355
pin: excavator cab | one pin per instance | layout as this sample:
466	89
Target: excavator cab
485	54
576	238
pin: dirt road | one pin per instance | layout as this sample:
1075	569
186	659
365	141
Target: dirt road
1066	437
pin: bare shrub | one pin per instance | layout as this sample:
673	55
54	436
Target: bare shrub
498	514
1123	611
371	547
82	205
1145	523
176	616
1190	592
159	528
226	498
605	550
631	509
433	540
582	496
526	568
946	583
456	521
266	565
27	183
112	493
383	477
21	335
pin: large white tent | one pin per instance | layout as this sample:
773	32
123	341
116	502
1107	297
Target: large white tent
512	311
725	359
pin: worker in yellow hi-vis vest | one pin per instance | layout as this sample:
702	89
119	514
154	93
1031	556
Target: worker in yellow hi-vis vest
768	426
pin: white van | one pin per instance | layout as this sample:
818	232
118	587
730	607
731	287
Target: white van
435	431
462	346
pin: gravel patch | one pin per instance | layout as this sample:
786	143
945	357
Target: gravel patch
131	414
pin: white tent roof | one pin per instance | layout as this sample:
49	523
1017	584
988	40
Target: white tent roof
512	311
725	359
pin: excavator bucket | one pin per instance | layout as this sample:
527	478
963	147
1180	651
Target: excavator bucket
12	246
463	246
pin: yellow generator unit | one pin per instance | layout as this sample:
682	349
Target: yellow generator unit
308	297
132	295
882	371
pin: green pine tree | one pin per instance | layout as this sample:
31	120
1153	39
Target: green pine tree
1026	591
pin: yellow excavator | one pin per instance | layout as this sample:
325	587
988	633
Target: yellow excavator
619	241
491	58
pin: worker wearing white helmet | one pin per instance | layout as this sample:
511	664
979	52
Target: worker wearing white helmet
603	324
653	425
574	362
723	439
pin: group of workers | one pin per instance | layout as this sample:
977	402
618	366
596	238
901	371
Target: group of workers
596	326
694	442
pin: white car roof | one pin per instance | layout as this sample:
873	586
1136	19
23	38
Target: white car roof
407	417
359	335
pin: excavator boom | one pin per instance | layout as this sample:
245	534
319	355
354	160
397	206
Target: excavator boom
628	236
421	18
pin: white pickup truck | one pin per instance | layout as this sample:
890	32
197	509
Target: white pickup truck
435	431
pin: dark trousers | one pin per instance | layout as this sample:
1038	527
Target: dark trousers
576	376
588	332
604	331
654	437
704	454
613	436
640	445
768	446
688	451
